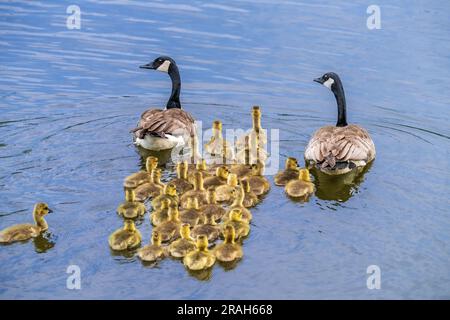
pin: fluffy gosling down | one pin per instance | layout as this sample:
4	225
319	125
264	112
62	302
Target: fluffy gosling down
25	231
126	238
301	187
201	258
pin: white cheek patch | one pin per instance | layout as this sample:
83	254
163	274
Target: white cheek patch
328	83
164	67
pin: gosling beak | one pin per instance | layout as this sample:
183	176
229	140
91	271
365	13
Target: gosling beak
148	66
50	210
319	80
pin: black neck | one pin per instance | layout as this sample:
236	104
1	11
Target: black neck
339	94
174	100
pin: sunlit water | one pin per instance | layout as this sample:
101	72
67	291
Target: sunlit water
70	97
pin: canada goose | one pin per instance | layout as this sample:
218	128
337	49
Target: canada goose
150	189
179	248
341	148
153	251
220	178
241	227
209	228
217	147
125	238
136	179
164	129
289	173
170	229
181	182
131	209
201	258
228	250
301	187
198	192
212	209
20	232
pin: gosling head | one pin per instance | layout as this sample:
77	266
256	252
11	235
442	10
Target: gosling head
173	213
256	111
162	63
156	238
232	180
229	233
222	172
303	175
185	231
130	195
151	163
41	209
236	214
202	242
129	225
171	189
217	125
291	163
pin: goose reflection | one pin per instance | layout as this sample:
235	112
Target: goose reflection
202	275
338	187
43	242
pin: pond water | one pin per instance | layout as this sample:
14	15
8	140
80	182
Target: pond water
70	97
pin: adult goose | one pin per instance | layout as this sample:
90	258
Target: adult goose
164	129
339	149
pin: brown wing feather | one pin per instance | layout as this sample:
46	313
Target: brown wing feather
160	122
340	144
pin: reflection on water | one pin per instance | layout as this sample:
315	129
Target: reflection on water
202	275
340	187
44	242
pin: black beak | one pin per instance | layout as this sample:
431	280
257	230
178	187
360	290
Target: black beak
319	80
148	66
50	210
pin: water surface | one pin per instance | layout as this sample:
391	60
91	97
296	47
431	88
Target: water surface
70	97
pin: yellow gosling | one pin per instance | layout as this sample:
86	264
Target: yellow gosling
302	187
170	229
181	182
191	214
198	192
170	192
209	228
238	203
150	189
201	258
289	173
212	209
138	178
224	192
25	231
179	248
161	214
220	178
241	227
126	238
259	185
154	251
228	250
131	209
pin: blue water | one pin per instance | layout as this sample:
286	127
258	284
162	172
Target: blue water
70	97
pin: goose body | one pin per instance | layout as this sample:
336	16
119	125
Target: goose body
153	251
200	258
131	209
228	250
342	148
301	187
179	248
25	231
162	129
125	238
